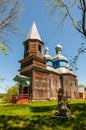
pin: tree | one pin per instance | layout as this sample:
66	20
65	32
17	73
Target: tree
81	86
11	91
9	14
65	10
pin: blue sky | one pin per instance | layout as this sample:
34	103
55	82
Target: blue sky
67	36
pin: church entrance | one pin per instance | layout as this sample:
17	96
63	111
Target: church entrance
26	90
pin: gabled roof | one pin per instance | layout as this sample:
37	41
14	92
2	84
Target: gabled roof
23	80
63	70
33	33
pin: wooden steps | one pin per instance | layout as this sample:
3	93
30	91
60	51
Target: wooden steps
21	98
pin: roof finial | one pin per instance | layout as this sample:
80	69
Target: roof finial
33	19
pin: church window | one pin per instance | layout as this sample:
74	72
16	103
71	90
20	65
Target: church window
75	83
26	49
56	81
39	48
56	64
39	83
72	83
49	63
63	64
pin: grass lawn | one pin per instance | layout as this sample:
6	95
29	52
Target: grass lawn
37	116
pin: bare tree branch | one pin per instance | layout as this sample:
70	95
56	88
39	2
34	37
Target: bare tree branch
9	13
65	7
74	60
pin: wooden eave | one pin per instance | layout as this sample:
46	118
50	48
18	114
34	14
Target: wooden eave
33	67
43	70
38	69
68	74
32	40
33	57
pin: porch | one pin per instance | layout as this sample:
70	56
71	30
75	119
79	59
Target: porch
23	85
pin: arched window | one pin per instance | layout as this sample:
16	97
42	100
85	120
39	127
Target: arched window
26	49
39	49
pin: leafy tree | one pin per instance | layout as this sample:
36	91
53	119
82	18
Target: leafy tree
9	14
64	10
81	86
11	91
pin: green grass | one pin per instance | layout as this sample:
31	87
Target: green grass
37	115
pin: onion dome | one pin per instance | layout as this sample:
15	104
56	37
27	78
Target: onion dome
59	60
48	58
58	49
59	55
46	54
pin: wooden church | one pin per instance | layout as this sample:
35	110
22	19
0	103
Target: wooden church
42	75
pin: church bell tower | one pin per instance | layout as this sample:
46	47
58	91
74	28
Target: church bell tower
33	44
33	56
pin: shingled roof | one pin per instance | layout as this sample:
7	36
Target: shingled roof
33	33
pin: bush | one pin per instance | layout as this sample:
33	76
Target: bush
11	91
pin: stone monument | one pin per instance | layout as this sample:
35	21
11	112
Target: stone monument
63	110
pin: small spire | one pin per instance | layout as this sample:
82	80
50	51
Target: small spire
33	33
